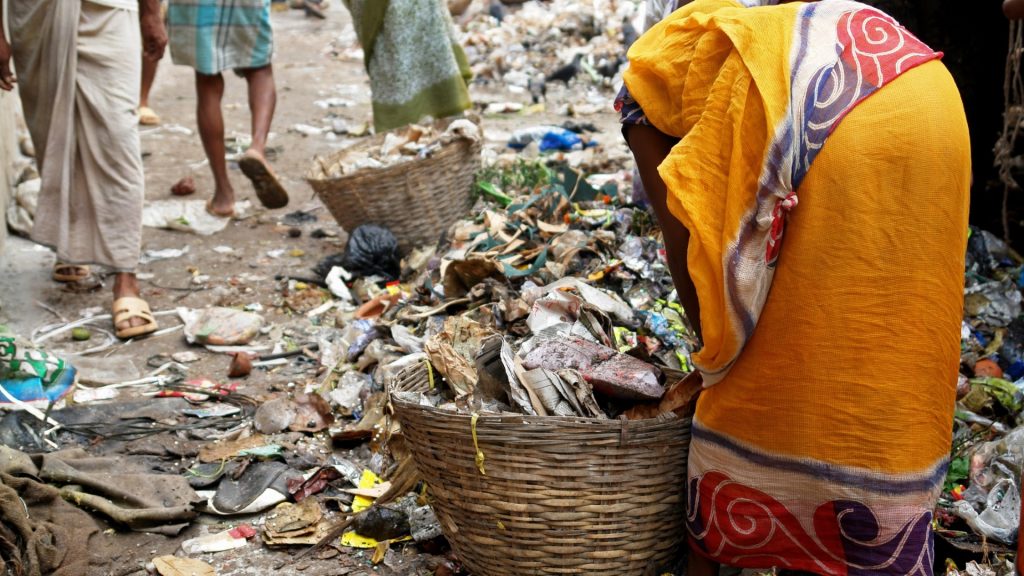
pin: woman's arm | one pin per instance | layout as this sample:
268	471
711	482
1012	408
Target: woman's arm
6	76
650	147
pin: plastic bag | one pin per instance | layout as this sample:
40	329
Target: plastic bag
372	251
220	326
548	137
1000	516
994	303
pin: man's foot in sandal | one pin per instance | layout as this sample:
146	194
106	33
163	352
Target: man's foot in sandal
70	272
268	188
147	117
132	316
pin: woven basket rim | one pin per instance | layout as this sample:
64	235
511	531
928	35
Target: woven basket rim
552	421
319	162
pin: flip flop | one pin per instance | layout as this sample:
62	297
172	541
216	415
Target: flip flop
209	209
70	272
268	189
128	308
234	495
147	117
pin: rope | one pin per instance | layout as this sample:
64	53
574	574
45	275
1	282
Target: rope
1013	116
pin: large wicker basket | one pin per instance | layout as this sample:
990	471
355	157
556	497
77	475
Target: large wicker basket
417	200
560	495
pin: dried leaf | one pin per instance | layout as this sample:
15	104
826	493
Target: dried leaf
178	566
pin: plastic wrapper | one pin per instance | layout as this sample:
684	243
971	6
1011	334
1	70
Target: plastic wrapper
220	326
347	394
548	138
406	339
994	303
357	336
985	252
1000	516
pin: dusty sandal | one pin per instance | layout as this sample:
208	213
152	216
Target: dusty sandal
70	272
268	189
147	117
128	308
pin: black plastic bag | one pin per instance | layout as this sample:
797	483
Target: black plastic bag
371	251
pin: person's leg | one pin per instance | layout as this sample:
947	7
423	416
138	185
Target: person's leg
262	101
209	92
650	148
148	75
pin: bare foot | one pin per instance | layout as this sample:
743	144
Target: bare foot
126	285
223	203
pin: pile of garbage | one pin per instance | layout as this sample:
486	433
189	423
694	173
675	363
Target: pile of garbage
414	142
551	298
979	512
541	43
552	288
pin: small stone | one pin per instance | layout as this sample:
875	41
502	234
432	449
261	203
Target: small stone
241	366
184	187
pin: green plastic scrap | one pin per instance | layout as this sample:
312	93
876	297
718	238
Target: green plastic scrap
538	263
19	360
491	190
625	339
1003	391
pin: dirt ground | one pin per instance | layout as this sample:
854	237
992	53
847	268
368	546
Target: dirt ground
306	71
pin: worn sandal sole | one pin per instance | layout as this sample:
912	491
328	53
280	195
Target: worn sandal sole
59	277
268	189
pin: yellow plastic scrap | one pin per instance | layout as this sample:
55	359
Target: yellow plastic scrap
380	552
360	503
366	481
476	445
353	540
430	373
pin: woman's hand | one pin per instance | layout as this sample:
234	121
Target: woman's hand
7	79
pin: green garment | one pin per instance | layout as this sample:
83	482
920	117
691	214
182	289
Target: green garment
416	67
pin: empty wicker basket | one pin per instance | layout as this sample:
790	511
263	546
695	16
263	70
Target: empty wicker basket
417	200
560	495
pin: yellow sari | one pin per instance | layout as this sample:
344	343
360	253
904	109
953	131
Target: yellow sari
822	441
